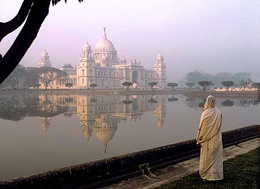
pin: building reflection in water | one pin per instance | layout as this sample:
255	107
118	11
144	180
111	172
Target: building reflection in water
198	102
103	115
98	115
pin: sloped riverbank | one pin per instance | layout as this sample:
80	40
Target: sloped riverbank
242	171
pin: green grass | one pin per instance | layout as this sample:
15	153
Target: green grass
240	172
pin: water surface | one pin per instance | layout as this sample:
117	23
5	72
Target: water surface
43	132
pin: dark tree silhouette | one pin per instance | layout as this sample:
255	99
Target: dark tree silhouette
172	85
205	84
127	84
152	84
127	100
93	99
227	103
33	13
190	99
172	99
152	100
227	84
69	85
256	85
190	85
93	86
255	102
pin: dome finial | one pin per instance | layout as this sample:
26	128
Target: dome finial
105	35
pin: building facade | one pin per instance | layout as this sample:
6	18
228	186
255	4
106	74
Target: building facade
103	67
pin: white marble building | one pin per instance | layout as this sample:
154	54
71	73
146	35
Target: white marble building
45	60
103	67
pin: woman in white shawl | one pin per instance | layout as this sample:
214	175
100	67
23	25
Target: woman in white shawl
210	140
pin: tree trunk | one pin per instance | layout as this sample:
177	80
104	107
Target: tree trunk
11	59
10	26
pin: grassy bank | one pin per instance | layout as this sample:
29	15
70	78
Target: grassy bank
240	172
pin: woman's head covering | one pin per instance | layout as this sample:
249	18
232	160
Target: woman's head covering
210	102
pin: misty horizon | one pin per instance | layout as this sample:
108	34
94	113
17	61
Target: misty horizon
211	36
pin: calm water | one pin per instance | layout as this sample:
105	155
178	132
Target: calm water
44	132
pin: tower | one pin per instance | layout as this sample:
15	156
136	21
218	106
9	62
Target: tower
85	70
123	60
160	111
160	71
45	60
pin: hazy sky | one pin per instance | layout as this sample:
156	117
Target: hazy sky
209	35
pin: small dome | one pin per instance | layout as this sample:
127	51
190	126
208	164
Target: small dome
159	55
86	47
105	136
105	129
45	53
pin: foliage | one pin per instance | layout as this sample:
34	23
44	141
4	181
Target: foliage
243	84
42	107
15	77
227	103
69	85
190	85
196	76
11	109
54	2
32	78
256	85
172	99
152	84
93	85
172	85
255	102
152	100
127	101
227	84
127	84
49	74
205	84
237	77
93	100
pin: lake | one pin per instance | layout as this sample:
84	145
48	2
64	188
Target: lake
41	132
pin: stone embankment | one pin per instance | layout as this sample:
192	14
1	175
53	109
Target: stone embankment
104	172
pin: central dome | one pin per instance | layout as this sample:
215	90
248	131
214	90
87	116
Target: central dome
104	45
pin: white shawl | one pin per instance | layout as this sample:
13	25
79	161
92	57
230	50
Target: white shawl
209	137
212	116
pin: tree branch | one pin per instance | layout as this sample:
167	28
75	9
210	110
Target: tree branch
11	59
10	26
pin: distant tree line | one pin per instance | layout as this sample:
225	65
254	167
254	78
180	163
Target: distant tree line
197	76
